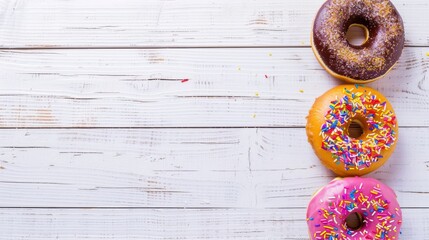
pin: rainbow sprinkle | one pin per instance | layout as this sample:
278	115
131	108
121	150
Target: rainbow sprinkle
373	207
358	153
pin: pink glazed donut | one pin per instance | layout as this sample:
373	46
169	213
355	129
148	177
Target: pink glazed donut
354	208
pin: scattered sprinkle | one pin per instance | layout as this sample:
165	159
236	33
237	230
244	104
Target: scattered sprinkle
427	54
270	54
266	76
358	154
257	94
254	115
302	43
301	91
239	68
185	80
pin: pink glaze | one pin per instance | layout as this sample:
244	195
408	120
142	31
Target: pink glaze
373	200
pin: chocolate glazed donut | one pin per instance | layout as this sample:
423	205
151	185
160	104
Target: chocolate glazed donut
369	61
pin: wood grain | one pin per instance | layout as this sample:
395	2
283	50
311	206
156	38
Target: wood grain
102	139
144	88
175	23
32	224
184	168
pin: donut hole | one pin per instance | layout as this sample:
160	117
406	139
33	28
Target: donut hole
355	129
357	34
354	221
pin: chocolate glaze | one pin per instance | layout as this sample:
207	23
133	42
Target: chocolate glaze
372	59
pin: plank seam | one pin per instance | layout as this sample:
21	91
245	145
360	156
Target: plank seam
167	47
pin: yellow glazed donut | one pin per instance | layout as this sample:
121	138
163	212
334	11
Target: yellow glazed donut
328	129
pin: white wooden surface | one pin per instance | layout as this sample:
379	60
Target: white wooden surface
101	139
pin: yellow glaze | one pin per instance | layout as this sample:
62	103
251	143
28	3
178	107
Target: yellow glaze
316	119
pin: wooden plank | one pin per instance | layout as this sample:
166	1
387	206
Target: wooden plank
173	224
174	23
184	168
144	88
